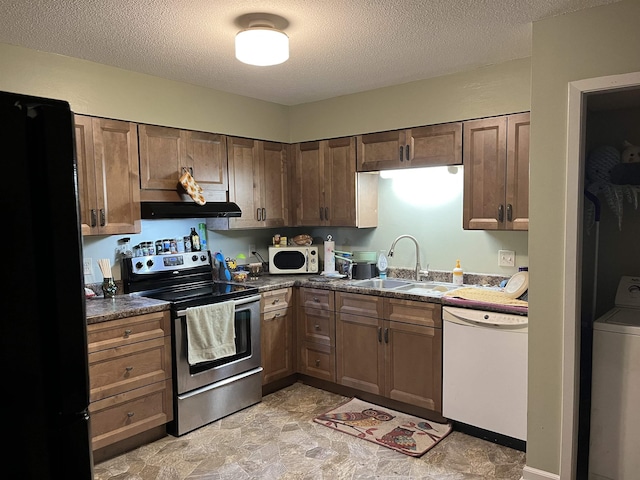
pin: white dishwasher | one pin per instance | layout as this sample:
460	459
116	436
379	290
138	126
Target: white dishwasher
484	380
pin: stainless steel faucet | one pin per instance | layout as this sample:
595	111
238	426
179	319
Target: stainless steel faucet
419	271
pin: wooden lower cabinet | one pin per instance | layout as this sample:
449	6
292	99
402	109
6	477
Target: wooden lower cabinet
390	347
316	333
129	377
277	334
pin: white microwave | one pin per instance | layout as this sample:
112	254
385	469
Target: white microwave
293	260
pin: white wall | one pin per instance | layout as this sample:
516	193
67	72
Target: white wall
586	44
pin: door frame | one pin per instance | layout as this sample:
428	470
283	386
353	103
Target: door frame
574	203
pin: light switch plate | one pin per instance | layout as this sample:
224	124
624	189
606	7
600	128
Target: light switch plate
506	258
87	266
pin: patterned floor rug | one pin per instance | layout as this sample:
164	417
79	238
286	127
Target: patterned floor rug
398	431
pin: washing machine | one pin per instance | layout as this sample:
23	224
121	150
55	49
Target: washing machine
615	391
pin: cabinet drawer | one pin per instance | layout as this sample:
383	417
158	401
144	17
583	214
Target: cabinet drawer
409	311
359	304
318	361
125	368
316	298
275	300
317	326
122	416
125	331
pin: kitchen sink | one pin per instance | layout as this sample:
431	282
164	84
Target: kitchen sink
427	288
434	289
381	283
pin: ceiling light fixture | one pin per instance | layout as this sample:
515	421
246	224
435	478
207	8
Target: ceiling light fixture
262	44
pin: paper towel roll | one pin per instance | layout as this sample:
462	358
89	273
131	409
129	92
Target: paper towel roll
329	255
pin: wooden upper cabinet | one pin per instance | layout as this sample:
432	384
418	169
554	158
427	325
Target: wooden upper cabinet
431	145
496	173
107	157
327	188
258	182
166	153
308	184
517	193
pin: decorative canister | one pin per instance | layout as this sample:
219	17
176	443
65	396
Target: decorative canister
166	245
159	247
180	244
187	243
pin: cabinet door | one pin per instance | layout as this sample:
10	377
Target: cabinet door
359	353
381	151
206	155
340	182
161	159
309	183
275	185
244	181
413	361
434	145
277	344
115	150
86	175
485	157
517	214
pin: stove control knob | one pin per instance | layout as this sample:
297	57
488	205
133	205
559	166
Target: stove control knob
149	263
203	257
138	265
194	258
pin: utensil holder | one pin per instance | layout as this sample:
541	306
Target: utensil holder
109	288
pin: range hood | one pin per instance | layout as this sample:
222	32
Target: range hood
157	210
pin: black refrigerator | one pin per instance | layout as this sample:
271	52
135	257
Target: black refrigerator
44	342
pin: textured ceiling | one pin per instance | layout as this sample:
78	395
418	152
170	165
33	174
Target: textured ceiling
338	47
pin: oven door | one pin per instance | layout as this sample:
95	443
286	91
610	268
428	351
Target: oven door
247	333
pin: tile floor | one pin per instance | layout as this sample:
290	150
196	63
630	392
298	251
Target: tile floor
277	439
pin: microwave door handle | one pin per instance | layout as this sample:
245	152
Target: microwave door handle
306	259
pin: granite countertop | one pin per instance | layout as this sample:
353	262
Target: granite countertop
100	309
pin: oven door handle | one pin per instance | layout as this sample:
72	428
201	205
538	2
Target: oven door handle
237	303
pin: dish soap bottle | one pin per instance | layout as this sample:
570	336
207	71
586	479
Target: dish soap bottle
382	265
457	274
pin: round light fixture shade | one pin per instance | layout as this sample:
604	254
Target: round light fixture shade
262	46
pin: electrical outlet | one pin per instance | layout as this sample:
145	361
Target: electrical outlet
506	258
252	248
87	266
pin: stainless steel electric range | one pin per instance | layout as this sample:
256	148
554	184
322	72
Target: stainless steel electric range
206	391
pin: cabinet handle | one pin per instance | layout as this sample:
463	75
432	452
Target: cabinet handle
321	214
103	219
501	213
407	152
276	300
264	214
379	334
127	333
316	326
130	414
276	315
509	212
326	213
386	335
317	363
316	299
94	217
258	214
128	369
401	153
